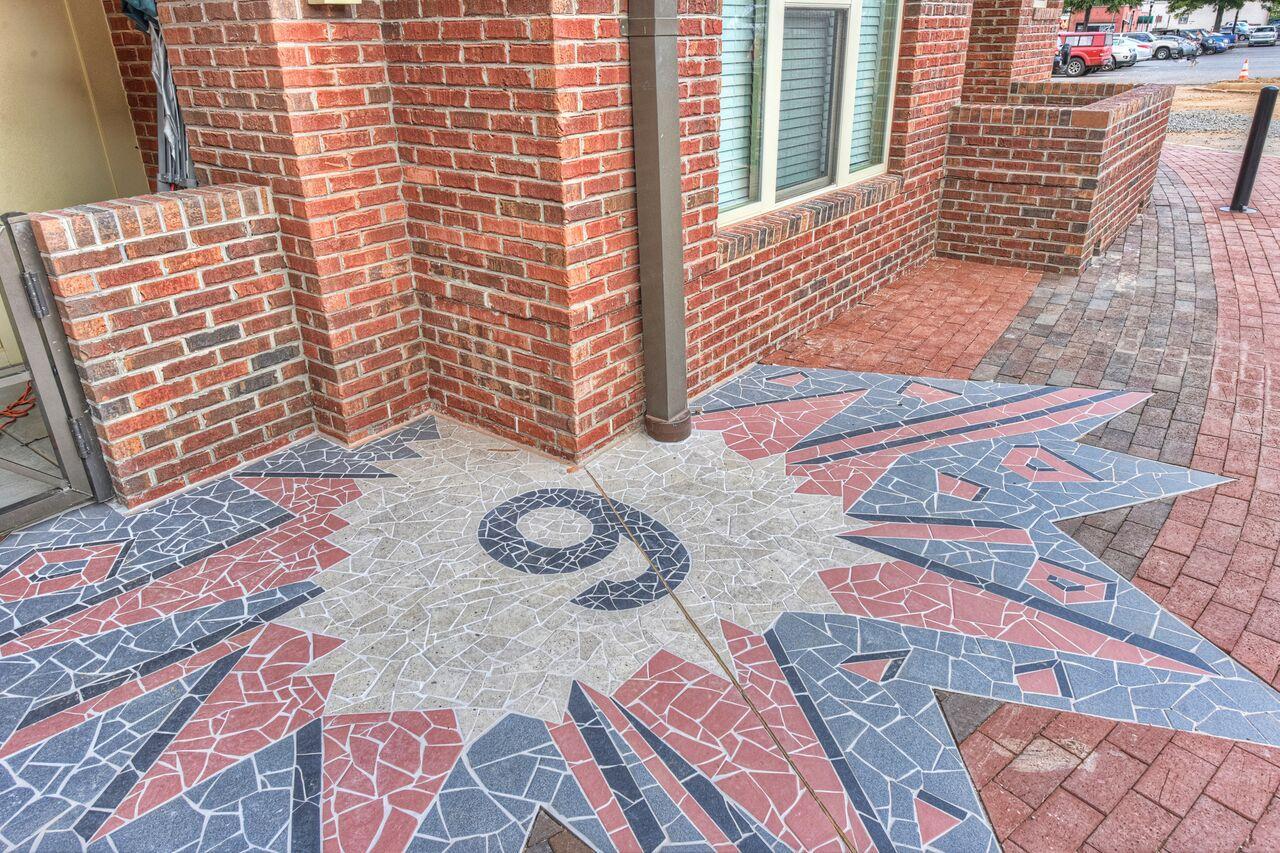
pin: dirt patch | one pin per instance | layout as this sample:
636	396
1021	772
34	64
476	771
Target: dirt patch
1253	85
1228	97
1240	100
1220	141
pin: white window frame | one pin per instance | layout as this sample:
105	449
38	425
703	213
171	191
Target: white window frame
843	108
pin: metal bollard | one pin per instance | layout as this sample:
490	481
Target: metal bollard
1253	149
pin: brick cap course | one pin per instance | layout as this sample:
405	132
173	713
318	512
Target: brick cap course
86	226
769	229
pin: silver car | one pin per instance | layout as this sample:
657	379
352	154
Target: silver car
1262	37
1162	47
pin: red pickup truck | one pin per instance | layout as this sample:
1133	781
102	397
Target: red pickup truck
1089	52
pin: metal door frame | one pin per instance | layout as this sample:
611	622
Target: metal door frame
52	371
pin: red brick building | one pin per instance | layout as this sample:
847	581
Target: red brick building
432	204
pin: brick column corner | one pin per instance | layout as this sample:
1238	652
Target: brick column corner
1009	43
297	97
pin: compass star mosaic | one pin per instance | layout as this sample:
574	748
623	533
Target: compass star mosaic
732	643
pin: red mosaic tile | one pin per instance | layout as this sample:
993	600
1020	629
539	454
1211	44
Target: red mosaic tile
381	773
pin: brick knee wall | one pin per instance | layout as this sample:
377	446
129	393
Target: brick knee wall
1047	178
182	325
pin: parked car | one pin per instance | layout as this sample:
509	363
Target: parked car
1162	47
1263	37
1237	33
1089	52
1142	50
1124	54
1184	35
1217	41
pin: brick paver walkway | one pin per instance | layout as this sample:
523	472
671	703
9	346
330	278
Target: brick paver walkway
1184	306
939	320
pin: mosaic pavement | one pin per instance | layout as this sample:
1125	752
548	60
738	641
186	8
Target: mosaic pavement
731	643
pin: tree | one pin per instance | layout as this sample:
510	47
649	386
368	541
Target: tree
1087	6
1177	8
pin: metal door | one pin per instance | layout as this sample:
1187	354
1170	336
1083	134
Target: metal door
65	466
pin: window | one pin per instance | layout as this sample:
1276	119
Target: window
806	91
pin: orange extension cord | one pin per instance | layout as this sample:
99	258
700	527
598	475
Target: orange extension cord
19	408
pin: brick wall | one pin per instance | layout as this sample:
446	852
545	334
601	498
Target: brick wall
297	97
1048	179
489	142
515	134
475	160
133	52
454	192
182	325
778	275
1009	43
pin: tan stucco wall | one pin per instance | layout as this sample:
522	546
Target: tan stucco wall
66	136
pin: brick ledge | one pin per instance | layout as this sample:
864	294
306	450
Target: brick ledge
768	229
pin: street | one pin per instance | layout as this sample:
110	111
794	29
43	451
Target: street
1263	62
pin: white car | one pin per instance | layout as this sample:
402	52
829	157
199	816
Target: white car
1143	50
1123	55
1262	37
1162	47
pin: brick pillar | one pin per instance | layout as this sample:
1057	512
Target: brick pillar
515	131
1009	43
930	75
297	96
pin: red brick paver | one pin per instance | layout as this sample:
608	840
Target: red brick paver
1228	586
938	320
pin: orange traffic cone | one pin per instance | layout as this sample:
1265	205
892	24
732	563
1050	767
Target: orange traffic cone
1244	72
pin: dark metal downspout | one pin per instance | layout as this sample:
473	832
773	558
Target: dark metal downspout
655	123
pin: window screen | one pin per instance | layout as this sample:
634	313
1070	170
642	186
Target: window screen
810	50
873	75
741	85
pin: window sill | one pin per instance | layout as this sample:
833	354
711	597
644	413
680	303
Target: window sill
769	229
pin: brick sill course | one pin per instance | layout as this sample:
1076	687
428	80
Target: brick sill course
769	229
